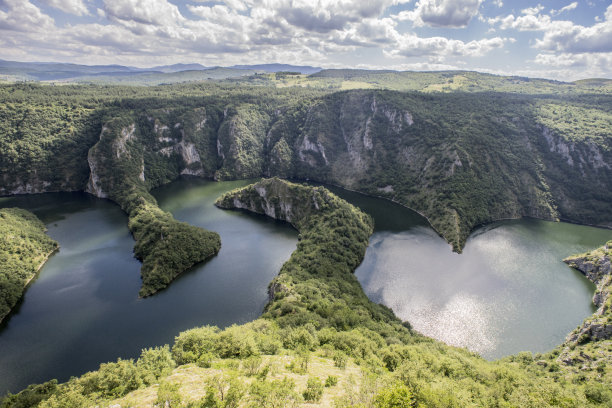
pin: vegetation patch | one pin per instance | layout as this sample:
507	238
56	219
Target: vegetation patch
24	248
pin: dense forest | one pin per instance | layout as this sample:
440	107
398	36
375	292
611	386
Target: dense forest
459	158
447	145
24	248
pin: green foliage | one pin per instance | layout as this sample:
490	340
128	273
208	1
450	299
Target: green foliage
112	380
461	159
314	390
331	381
273	394
251	365
155	363
167	247
31	396
395	396
168	395
24	247
223	392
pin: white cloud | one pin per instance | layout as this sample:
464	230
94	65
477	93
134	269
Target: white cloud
316	32
565	36
441	13
153	12
528	22
568	67
76	7
21	15
532	11
569	7
410	45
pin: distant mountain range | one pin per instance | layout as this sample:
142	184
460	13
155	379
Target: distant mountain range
55	71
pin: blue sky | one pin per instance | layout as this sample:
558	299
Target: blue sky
558	39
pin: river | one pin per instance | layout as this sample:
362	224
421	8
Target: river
508	291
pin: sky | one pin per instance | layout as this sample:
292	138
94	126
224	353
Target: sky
557	39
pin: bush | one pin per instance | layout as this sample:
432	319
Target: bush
331	381
155	363
168	395
396	396
314	390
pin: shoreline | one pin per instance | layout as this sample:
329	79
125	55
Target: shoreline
30	280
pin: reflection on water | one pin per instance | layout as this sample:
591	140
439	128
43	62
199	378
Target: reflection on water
507	292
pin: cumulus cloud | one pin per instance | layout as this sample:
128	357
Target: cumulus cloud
76	7
153	12
316	32
21	15
410	45
565	36
528	22
532	11
442	13
326	15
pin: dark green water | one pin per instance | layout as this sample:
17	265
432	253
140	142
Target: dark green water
507	292
84	309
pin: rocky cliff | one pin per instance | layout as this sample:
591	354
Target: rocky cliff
461	160
586	350
596	265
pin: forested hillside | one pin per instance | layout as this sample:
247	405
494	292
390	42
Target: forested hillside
461	159
24	248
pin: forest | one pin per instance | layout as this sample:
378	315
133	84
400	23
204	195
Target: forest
459	148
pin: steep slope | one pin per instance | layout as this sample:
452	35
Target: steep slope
459	159
586	351
135	153
24	248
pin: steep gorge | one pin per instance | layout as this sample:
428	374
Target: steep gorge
460	159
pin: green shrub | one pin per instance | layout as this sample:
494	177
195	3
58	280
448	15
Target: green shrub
331	381
314	390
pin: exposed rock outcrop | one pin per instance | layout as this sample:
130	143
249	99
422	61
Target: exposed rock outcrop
596	266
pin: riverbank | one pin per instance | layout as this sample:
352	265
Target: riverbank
24	249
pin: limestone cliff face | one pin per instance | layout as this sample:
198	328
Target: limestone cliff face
398	148
432	153
278	199
597	267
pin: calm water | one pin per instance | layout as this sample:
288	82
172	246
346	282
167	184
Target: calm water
507	292
84	309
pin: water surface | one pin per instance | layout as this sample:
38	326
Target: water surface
84	308
507	292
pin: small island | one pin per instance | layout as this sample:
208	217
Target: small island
24	248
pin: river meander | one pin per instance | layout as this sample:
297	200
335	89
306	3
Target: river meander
83	309
508	291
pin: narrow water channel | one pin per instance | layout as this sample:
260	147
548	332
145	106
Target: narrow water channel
84	309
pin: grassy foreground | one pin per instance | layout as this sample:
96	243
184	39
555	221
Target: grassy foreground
320	341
